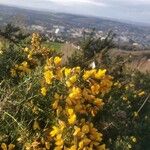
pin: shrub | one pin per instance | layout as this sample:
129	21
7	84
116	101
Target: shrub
45	105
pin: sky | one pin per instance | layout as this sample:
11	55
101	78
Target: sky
129	10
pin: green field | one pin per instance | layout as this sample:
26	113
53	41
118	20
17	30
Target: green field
54	45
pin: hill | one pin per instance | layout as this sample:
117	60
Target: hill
73	25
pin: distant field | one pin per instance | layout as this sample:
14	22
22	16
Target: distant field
54	45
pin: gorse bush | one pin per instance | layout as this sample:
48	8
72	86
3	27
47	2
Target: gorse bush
90	48
13	34
45	105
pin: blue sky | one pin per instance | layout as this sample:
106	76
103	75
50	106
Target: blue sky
132	10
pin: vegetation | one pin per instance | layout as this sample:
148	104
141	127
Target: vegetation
13	34
56	46
47	105
91	48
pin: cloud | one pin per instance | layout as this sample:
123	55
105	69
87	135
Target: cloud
77	2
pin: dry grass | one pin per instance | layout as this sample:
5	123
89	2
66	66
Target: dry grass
140	59
67	50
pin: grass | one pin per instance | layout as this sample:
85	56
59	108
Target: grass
54	45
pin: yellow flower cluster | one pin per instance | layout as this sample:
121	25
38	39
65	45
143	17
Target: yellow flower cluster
35	53
48	75
80	98
36	40
87	137
36	48
57	134
20	69
71	116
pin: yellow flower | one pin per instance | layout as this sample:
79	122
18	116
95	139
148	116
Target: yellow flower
28	146
74	147
88	74
57	60
86	141
70	111
58	130
85	129
26	49
75	93
98	102
68	83
133	139
56	96
95	89
67	72
46	67
30	56
48	75
59	140
73	79
81	145
77	69
48	64
25	64
95	135
55	104
55	131
4	146
43	91
72	116
77	130
141	94
100	74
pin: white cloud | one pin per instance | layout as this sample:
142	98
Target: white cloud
82	2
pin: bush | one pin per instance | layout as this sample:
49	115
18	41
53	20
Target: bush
45	105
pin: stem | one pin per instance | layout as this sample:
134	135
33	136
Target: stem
14	119
143	103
